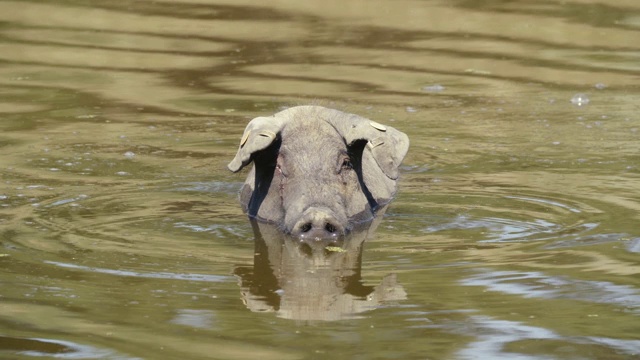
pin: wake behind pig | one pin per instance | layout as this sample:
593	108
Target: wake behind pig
318	171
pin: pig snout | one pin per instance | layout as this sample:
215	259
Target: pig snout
318	223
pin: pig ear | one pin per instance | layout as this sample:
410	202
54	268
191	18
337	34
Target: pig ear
258	135
387	145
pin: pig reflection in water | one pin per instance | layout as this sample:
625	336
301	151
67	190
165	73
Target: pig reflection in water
318	172
312	280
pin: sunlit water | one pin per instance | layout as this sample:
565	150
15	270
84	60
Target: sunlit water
514	235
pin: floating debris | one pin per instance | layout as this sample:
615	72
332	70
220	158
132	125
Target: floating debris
580	99
335	249
433	88
477	71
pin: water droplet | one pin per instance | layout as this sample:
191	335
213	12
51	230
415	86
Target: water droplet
580	99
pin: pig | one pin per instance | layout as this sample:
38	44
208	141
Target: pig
318	171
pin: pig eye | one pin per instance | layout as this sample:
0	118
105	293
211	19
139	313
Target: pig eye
280	165
346	164
279	169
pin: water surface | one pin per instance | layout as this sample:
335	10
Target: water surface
514	234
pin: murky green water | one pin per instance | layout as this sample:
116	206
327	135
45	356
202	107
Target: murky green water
514	236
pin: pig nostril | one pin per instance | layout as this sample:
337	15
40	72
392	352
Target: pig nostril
330	228
306	228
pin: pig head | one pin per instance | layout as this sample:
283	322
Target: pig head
318	171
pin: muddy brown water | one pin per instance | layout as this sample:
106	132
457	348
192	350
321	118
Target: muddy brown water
515	234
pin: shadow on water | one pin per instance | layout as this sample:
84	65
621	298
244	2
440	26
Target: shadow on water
315	280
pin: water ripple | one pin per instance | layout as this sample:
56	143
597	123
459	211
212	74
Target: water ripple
494	335
511	218
500	229
546	202
535	284
59	349
148	275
